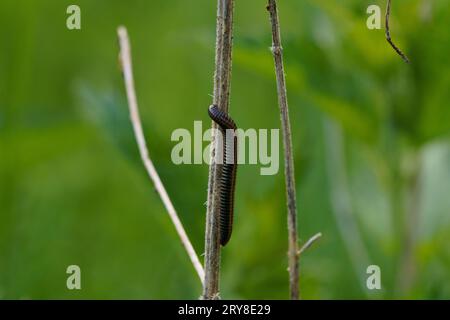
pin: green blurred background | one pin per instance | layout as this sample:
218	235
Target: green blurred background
371	139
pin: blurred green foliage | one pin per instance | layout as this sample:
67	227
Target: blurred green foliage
371	138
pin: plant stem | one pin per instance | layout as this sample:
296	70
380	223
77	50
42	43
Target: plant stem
293	252
127	68
222	84
388	34
309	243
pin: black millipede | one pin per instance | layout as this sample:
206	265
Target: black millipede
228	176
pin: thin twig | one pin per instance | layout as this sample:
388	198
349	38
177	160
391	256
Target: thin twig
125	60
288	154
309	243
222	84
388	34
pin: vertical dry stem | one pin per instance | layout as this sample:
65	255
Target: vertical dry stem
222	84
288	155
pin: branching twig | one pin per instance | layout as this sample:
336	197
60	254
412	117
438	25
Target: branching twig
125	60
309	243
222	82
288	156
388	33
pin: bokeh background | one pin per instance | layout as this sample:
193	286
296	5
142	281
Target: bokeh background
371	139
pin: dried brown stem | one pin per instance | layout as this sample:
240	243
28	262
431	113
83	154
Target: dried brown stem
288	154
388	34
222	84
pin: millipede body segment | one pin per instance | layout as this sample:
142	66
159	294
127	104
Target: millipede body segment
229	168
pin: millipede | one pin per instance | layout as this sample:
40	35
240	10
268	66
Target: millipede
228	176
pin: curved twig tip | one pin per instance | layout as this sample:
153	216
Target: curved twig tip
309	243
388	34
